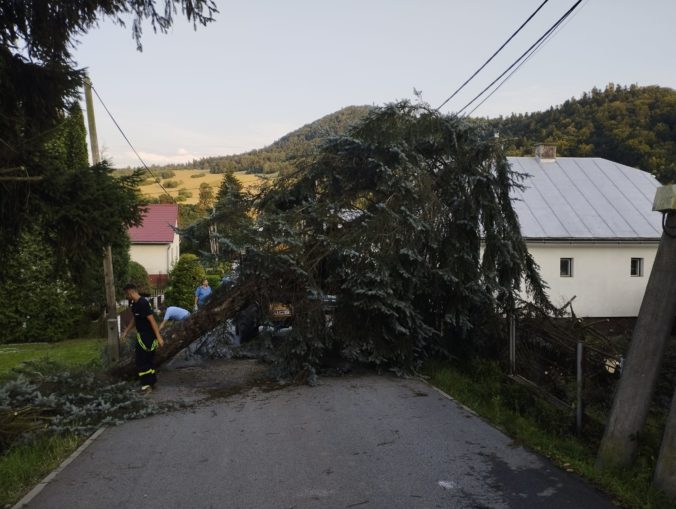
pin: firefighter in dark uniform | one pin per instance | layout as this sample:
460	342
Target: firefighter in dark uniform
148	337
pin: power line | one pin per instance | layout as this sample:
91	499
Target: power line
129	143
506	79
537	48
528	51
493	55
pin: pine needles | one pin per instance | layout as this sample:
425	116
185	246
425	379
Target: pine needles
44	397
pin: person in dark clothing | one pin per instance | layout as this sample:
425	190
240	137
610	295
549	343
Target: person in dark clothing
148	337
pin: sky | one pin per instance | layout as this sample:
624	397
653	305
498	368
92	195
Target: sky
264	68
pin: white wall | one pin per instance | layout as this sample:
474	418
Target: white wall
156	258
601	278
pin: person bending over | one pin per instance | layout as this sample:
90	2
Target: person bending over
174	313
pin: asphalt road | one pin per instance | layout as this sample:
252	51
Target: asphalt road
353	442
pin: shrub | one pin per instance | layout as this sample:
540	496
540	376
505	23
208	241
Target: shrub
214	280
139	276
184	193
167	174
171	184
197	175
183	280
35	306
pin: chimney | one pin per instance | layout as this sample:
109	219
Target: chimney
545	152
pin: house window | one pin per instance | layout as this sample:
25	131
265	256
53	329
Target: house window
566	267
636	269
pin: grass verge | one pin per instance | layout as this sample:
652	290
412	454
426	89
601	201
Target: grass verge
534	424
26	464
23	466
72	352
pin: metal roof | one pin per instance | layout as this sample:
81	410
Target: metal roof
157	224
580	198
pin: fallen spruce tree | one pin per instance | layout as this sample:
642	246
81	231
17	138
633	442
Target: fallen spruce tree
407	220
186	331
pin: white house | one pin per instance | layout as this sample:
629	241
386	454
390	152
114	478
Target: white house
155	243
589	224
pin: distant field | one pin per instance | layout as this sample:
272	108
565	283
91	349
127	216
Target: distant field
185	180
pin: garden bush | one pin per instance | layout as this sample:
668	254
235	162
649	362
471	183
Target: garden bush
183	280
184	193
35	306
139	276
214	280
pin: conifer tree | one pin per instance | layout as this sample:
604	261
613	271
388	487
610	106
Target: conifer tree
408	221
39	81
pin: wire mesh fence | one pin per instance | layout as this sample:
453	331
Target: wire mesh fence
570	363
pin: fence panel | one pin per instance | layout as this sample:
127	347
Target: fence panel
570	364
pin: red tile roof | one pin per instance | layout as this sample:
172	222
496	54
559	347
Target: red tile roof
155	228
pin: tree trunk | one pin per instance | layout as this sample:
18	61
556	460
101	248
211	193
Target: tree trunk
221	307
653	327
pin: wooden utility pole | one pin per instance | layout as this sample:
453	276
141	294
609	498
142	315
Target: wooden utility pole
653	328
665	469
109	279
91	123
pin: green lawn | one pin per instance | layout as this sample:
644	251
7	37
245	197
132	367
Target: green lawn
71	352
24	465
27	464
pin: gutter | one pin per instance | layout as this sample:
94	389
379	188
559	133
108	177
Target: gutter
592	241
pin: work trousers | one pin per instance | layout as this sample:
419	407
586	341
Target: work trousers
145	360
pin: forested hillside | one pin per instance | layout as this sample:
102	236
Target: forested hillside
632	125
280	156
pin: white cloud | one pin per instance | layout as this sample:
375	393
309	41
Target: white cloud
199	145
181	156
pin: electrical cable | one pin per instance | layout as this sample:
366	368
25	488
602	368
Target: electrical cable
524	54
493	55
132	146
537	48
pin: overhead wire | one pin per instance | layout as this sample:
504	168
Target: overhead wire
523	55
535	50
520	61
130	144
493	55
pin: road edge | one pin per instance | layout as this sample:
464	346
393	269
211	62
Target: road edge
451	398
28	497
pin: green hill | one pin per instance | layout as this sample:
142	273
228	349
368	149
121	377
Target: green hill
279	157
631	125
